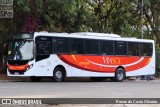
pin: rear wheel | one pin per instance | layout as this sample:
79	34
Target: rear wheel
58	74
119	75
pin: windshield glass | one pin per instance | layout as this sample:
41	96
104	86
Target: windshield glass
20	49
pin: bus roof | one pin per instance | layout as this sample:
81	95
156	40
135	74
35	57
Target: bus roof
92	35
96	34
50	34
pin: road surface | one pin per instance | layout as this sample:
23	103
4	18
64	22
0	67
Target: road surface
127	89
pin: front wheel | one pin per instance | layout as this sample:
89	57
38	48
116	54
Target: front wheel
119	75
58	74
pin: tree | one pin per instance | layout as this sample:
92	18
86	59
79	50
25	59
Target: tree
152	18
115	16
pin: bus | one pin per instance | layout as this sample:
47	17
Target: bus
82	54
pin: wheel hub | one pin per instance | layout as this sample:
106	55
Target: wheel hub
58	74
120	75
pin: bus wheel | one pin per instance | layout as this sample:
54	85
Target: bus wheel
35	79
97	79
58	74
119	75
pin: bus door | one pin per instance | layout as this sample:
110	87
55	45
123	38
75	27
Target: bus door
43	51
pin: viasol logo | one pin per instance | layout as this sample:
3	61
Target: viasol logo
6	101
113	60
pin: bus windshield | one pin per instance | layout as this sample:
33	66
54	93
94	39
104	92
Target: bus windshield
20	49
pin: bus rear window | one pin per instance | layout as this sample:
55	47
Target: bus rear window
146	49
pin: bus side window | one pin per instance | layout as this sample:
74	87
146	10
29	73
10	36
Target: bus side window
133	48
130	53
77	46
43	47
120	48
146	49
106	47
91	46
60	45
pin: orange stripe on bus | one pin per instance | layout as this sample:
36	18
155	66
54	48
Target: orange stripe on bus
20	67
105	63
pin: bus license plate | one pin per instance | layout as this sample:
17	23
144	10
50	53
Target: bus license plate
16	73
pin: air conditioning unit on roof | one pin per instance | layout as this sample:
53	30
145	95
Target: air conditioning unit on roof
96	34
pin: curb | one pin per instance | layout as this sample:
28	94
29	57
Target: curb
4	77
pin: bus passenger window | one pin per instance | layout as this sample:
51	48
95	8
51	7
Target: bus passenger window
120	48
133	49
146	49
43	47
106	47
60	45
77	46
91	46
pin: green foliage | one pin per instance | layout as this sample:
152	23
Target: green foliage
111	16
130	31
158	60
24	4
39	4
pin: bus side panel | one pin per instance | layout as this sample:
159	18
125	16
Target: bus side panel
96	74
55	62
149	69
39	68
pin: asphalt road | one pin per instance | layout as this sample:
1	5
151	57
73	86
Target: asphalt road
127	89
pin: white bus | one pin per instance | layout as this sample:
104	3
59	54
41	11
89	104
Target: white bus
84	54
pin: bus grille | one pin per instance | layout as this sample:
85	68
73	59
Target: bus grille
17	72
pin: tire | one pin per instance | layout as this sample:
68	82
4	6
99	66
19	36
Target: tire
58	74
97	79
35	79
119	75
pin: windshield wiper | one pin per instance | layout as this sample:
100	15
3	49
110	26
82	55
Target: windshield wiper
23	43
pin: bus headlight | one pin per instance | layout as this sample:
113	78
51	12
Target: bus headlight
29	67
